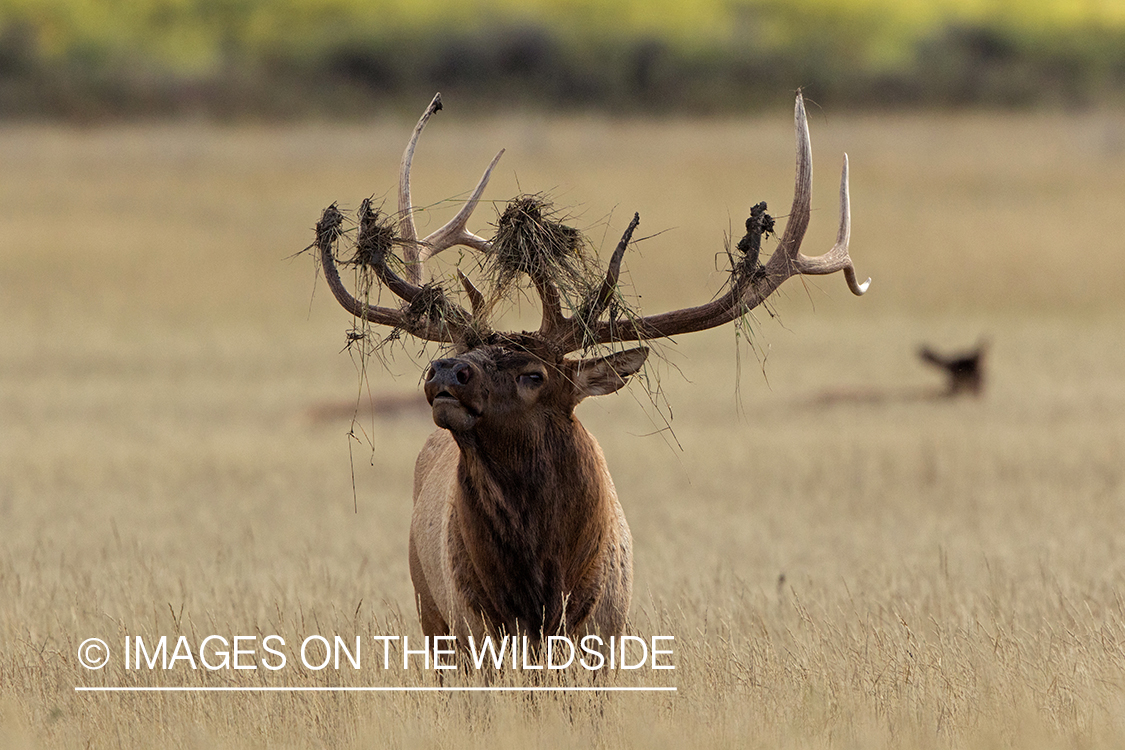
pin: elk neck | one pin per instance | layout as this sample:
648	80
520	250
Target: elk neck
532	515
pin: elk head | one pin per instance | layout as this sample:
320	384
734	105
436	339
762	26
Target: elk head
501	386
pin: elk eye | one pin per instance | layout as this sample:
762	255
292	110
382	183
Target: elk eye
532	379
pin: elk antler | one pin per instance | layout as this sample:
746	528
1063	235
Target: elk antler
427	313
750	284
454	232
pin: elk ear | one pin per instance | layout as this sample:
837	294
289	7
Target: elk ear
603	375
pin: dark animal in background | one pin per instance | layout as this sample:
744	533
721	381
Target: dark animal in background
964	370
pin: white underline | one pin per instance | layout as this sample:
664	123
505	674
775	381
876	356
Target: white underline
373	689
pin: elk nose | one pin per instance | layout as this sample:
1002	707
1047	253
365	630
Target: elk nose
449	372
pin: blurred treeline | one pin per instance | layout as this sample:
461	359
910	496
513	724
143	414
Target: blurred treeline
332	58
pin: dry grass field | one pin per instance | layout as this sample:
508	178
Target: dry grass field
904	573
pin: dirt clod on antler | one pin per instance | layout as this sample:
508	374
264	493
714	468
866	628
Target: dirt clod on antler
329	228
530	239
758	225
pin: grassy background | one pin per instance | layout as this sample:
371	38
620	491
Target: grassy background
316	58
914	573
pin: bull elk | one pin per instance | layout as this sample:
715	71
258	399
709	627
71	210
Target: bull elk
516	526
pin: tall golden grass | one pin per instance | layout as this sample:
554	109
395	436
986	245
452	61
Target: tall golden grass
911	573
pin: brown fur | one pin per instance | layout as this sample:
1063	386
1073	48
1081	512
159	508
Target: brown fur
516	525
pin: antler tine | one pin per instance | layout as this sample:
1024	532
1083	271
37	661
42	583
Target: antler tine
789	250
476	299
613	273
799	213
416	252
578	331
554	324
837	258
455	232
405	208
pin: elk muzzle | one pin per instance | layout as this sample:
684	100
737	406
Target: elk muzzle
454	392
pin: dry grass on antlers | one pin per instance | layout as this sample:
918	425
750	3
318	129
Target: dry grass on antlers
532	240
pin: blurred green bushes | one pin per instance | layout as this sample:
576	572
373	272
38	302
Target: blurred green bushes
299	58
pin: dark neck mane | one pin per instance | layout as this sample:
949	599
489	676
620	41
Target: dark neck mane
530	520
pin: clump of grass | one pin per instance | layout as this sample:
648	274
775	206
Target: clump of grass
532	240
376	240
372	254
432	304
